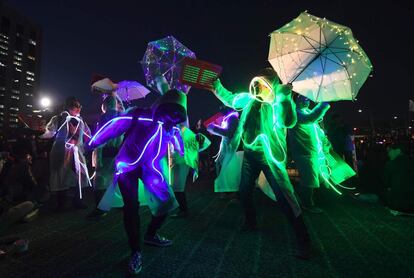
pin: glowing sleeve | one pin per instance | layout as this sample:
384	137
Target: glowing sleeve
112	129
235	101
316	114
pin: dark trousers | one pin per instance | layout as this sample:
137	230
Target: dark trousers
182	200
253	163
128	185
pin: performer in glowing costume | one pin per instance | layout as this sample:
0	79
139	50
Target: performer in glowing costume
147	133
104	156
181	165
313	154
67	161
266	113
304	146
228	160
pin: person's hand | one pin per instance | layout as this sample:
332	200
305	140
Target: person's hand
214	84
210	128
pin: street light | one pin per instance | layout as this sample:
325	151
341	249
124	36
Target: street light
360	111
45	102
395	117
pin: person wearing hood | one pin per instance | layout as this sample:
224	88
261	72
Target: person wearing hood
266	111
143	155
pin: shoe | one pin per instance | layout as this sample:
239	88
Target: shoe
248	228
135	263
400	213
180	214
30	216
313	209
97	213
157	241
79	204
302	238
304	250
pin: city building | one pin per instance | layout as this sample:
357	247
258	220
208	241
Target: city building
20	49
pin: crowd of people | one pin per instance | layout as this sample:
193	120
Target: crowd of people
147	154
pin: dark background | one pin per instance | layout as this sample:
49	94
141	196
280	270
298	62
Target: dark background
110	37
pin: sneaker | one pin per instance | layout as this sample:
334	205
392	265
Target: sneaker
304	251
180	214
400	213
97	213
135	263
313	209
79	204
30	216
157	241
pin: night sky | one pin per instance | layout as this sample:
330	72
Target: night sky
110	37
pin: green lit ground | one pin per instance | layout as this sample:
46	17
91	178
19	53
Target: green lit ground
352	239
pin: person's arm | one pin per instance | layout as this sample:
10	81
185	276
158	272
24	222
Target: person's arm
51	128
316	114
111	129
227	131
235	101
285	107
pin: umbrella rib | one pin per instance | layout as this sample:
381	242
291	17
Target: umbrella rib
323	65
313	59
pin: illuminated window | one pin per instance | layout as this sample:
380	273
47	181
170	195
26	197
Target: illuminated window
17	69
4	47
2	65
1	106
18	53
32	42
16	80
17	92
29	105
30	73
17	63
28	84
4	41
3	53
15	97
14	108
18	58
31	57
30	78
14	120
4	36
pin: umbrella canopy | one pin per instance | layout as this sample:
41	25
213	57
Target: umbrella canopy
321	59
165	57
130	90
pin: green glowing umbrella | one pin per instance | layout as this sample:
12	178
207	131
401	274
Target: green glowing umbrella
321	59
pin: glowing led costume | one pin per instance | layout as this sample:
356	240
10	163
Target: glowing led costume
228	160
266	113
143	155
67	152
271	115
313	154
